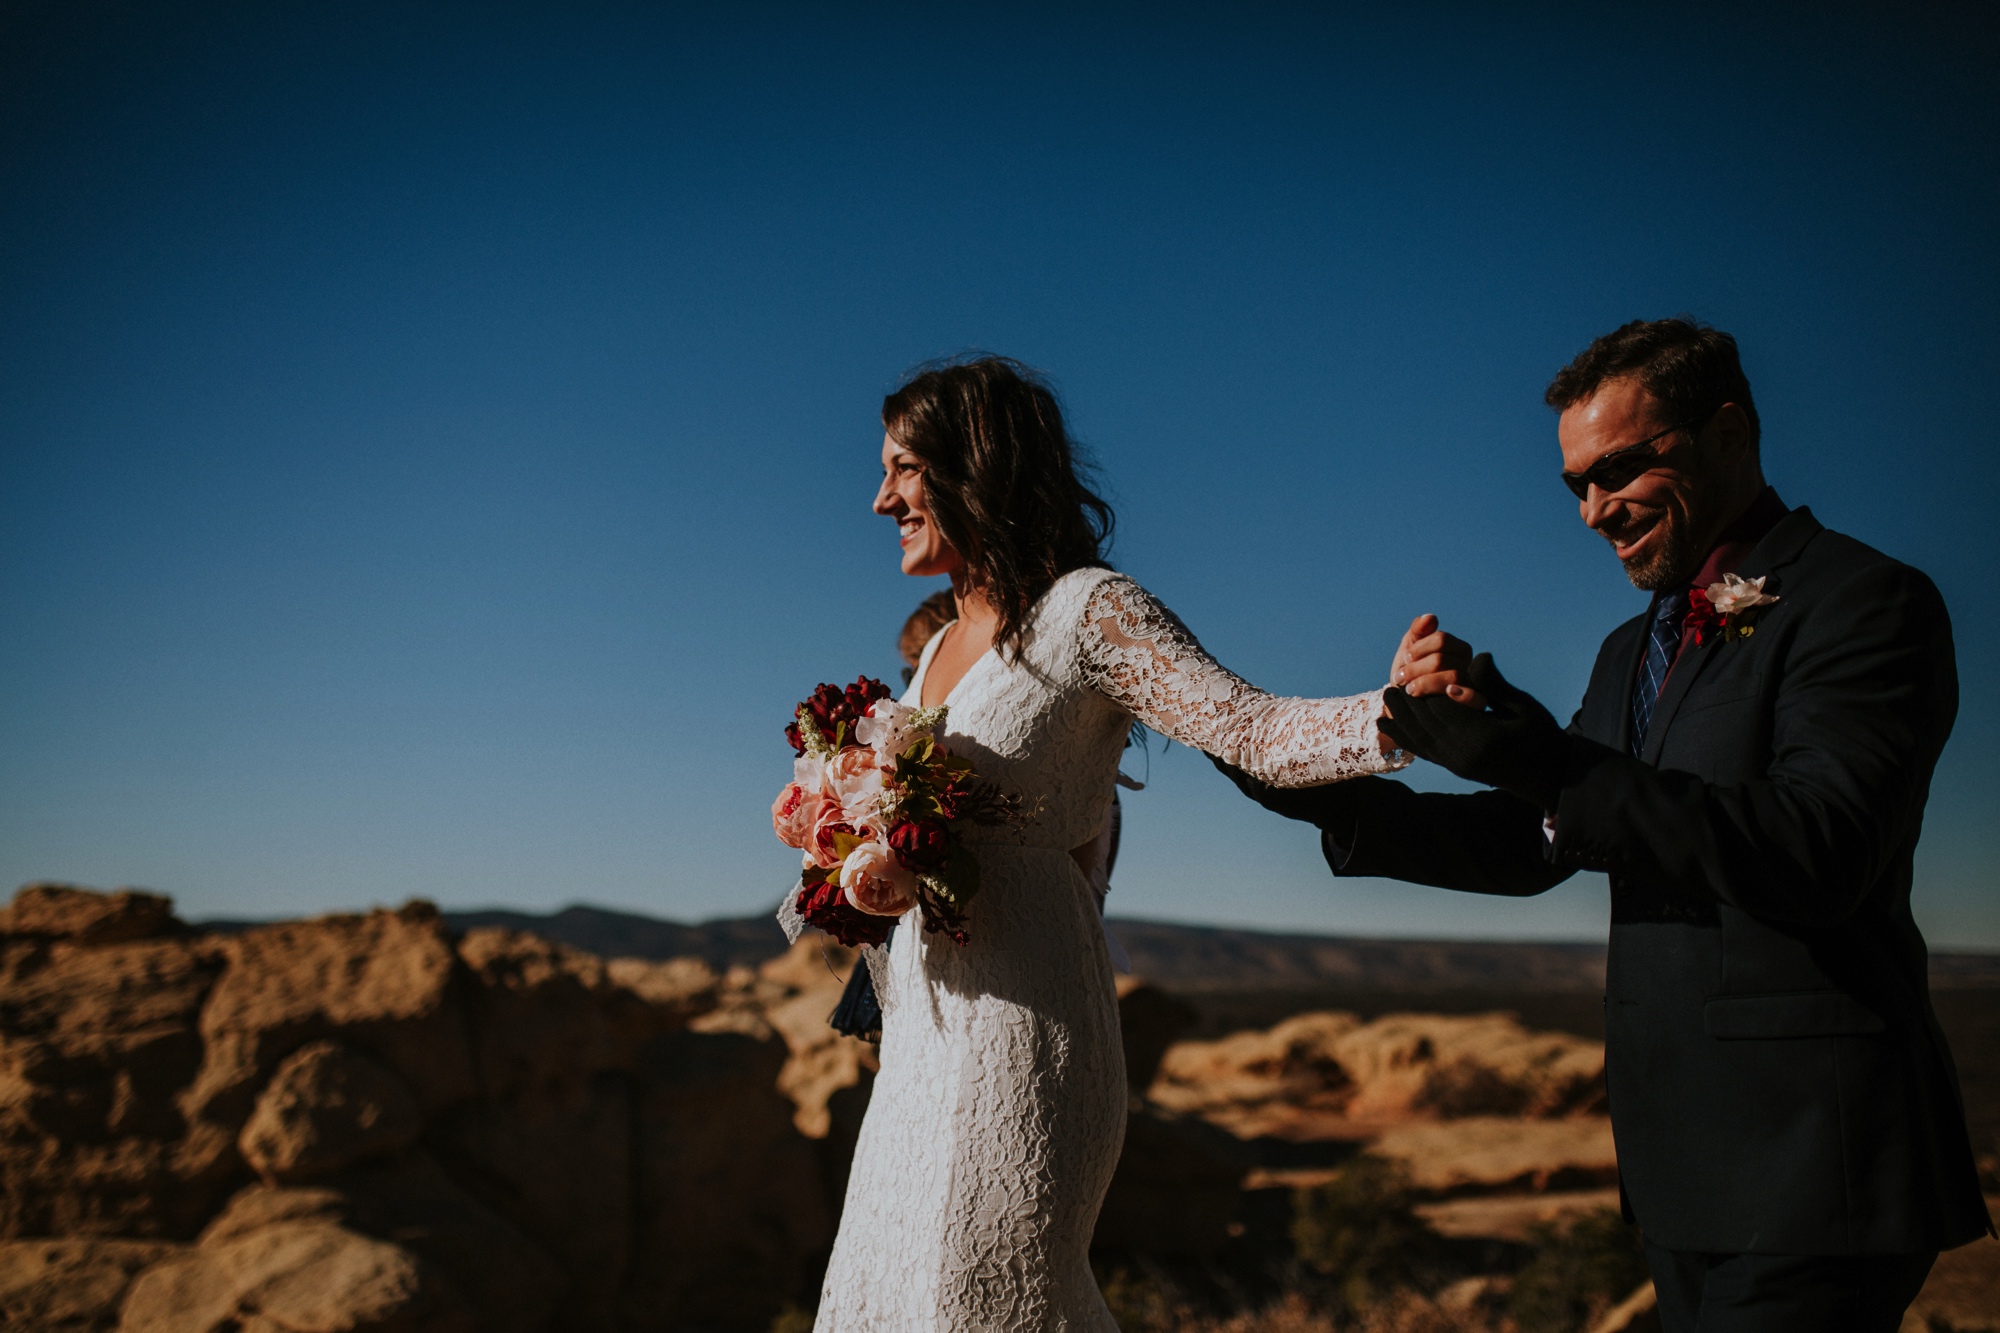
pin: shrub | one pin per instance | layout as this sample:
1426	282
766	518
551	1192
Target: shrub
1361	1230
1141	1302
792	1319
1579	1271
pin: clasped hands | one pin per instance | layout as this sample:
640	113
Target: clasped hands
1456	710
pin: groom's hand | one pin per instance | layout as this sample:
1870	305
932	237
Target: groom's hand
1514	744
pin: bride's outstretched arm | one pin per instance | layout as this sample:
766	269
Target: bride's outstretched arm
1142	657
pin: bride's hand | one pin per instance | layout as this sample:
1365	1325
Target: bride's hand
1429	661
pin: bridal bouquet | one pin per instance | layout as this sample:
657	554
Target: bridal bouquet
872	803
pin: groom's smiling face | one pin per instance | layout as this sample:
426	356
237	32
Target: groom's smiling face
1660	521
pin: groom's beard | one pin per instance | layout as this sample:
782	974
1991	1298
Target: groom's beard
1672	561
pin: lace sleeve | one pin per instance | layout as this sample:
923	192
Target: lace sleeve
1143	658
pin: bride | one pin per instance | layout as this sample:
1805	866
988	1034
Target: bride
1000	1108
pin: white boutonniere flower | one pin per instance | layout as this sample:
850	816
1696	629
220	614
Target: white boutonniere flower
1736	599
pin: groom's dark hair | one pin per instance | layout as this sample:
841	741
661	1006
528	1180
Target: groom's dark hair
1003	479
1689	368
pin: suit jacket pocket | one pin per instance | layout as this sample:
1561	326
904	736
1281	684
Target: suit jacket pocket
1817	1013
1723	693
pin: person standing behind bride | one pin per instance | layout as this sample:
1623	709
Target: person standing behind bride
998	1114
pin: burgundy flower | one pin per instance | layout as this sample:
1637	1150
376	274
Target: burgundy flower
825	907
954	797
831	707
1702	617
920	844
864	691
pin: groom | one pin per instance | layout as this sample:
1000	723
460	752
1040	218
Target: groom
1750	766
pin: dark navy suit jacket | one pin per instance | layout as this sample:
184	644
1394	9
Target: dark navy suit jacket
1778	1082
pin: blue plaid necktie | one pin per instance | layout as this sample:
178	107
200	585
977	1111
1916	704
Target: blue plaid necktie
1663	641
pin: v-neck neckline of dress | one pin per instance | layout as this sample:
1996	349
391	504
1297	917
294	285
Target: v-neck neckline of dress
930	656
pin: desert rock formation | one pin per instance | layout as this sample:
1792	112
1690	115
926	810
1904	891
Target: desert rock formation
364	1122
372	1122
1328	1075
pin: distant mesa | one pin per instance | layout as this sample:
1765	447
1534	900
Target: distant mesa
1189	959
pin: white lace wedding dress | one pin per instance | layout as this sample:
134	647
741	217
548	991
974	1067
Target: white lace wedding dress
1000	1108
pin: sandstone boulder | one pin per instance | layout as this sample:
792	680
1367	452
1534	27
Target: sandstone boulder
383	984
325	1109
1258	1083
70	1286
548	1014
549	1143
846	1109
1447	1065
1150	1021
687	985
1492	1154
1328	1075
84	916
814	962
509	1284
556	1161
1512	1217
731	1219
1176	1190
795	993
299	1277
98	1043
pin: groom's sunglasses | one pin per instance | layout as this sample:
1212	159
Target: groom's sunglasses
1621	467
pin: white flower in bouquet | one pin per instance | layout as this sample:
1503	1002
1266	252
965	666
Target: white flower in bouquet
889	728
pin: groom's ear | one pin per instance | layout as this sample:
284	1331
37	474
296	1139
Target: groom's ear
1733	431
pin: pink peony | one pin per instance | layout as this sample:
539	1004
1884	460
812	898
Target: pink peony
794	813
855	780
876	882
819	848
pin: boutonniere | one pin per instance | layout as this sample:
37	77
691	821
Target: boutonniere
1728	608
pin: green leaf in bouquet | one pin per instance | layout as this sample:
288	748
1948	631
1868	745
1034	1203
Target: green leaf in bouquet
844	843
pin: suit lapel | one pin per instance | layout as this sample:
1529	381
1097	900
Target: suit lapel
1779	548
1680	680
1624	659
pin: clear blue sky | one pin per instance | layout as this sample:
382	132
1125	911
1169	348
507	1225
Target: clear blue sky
436	443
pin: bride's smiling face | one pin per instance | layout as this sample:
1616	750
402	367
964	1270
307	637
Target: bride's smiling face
925	551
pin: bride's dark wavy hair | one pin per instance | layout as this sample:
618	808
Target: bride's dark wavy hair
1003	479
